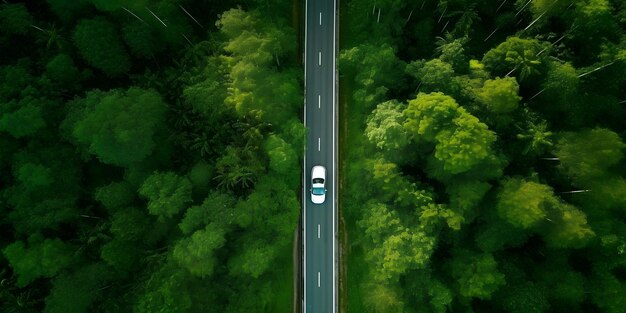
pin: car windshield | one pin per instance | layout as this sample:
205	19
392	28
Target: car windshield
318	191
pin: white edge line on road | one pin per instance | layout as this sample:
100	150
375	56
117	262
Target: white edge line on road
319	144
334	144
306	10
318	279
320	58
318	231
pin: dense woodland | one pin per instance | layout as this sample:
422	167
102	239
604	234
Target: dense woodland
149	155
484	166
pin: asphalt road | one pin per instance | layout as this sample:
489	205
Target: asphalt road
320	222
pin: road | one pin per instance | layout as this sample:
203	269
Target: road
320	222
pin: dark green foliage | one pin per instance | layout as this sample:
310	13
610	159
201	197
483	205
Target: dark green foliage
14	18
75	292
141	40
166	290
107	124
26	120
148	161
477	275
525	298
62	71
115	195
99	43
67	10
40	258
46	190
587	155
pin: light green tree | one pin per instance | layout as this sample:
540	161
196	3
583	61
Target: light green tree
569	228
524	204
283	158
465	145
499	95
382	298
429	114
434	76
384	126
518	55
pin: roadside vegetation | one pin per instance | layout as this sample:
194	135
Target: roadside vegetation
484	159
149	156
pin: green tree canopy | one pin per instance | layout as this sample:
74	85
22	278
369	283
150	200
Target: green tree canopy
525	298
394	248
375	69
477	275
39	258
167	289
26	120
196	253
500	95
141	40
518	55
167	193
384	126
119	127
99	43
464	147
588	154
428	114
75	292
115	195
63	71
283	158
14	18
217	208
434	76
524	204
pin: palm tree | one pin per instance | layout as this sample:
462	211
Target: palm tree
51	37
538	136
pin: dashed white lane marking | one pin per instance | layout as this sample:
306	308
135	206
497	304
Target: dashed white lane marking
319	144
318	231
320	58
320	18
318	279
319	101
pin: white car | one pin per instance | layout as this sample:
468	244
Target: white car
318	181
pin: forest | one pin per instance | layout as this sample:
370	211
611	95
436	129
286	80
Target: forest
483	155
149	155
